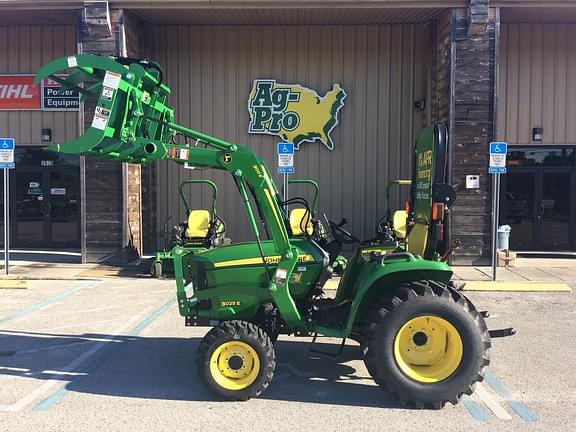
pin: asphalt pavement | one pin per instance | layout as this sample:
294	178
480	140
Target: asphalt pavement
113	354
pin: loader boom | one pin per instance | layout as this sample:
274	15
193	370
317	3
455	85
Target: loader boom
133	123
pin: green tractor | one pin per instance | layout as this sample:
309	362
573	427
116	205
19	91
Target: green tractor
420	227
303	218
422	340
203	229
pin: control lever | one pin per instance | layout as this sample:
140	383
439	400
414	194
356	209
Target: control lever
455	245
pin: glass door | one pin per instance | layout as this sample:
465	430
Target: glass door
64	209
46	208
554	211
517	209
540	208
30	207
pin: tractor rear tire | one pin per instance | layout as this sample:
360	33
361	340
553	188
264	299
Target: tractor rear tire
236	361
426	345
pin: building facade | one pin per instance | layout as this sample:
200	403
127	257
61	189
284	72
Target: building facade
492	70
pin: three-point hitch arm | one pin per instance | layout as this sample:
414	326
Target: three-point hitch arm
133	123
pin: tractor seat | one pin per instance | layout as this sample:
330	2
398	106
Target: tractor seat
198	224
417	239
299	220
399	218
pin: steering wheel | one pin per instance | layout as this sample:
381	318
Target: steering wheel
342	235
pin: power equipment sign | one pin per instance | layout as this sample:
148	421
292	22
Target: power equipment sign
18	92
293	112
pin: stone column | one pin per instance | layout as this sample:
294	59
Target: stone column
111	197
472	125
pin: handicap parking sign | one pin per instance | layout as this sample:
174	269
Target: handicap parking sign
6	143
285	148
498	148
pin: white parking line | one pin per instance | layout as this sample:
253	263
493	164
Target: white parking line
491	402
86	324
57	336
54	381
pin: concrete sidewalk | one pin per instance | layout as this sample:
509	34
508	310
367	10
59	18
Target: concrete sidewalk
526	270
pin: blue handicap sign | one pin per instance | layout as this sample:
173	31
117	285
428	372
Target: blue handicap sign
497	170
285	170
285	148
7	165
6	143
498	147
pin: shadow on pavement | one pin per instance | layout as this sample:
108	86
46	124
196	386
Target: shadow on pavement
44	256
163	368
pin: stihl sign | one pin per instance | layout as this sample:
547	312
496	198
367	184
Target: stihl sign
18	92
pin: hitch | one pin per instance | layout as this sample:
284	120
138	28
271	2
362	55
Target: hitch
505	332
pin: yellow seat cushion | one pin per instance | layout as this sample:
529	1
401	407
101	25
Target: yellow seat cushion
299	219
399	218
417	239
198	224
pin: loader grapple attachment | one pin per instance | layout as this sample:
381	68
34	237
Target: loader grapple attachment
131	122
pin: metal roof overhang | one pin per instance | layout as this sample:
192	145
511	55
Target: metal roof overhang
538	15
23	12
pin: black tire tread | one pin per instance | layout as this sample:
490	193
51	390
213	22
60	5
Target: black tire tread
238	330
410	291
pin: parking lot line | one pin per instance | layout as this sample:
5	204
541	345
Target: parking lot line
520	409
63	295
474	409
63	391
55	380
491	402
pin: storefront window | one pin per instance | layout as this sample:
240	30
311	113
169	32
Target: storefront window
552	157
37	157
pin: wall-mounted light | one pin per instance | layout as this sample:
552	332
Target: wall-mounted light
46	135
420	104
537	134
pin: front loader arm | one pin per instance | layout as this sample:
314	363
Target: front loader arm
133	123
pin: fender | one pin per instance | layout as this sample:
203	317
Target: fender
393	270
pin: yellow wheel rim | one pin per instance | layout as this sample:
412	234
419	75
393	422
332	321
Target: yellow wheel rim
234	365
428	349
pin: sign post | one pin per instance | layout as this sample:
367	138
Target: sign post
498	152
285	164
6	163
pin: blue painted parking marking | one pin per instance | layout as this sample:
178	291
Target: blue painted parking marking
63	391
56	298
520	409
474	409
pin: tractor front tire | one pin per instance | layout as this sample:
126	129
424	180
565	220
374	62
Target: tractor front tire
236	361
426	345
156	269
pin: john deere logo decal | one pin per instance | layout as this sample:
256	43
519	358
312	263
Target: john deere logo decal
293	112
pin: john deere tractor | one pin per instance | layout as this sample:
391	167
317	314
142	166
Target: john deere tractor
420	227
422	340
202	230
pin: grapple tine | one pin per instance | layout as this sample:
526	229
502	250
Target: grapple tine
69	84
131	120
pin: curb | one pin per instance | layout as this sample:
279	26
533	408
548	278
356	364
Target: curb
515	286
